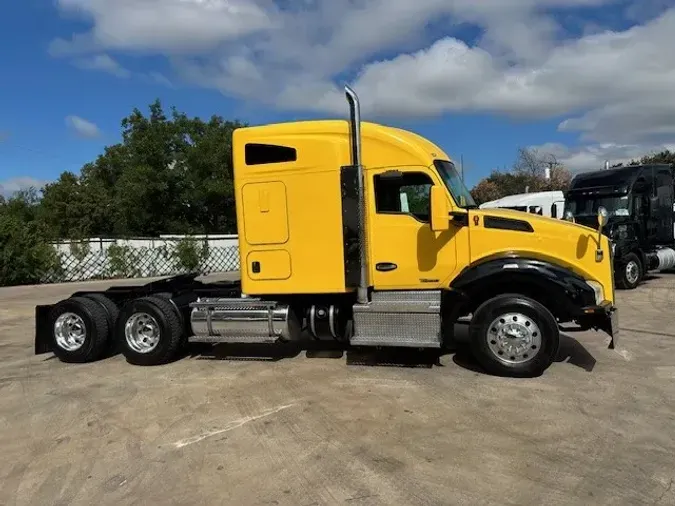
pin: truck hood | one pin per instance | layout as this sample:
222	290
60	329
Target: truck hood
560	242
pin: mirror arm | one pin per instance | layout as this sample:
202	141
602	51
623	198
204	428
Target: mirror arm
460	218
598	252
602	217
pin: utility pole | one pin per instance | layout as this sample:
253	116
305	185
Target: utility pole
549	170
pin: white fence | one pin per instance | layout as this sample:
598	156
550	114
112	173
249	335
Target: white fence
104	258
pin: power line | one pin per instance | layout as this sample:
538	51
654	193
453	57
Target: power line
4	141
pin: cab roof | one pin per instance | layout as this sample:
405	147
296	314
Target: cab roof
396	140
611	178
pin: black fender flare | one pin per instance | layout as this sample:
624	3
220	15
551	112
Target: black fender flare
566	291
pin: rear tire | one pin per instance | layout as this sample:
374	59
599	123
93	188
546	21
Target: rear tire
148	331
184	339
112	313
111	309
80	330
513	335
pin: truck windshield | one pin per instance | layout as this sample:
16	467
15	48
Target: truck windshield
586	206
459	192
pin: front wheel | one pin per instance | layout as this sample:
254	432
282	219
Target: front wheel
632	272
513	335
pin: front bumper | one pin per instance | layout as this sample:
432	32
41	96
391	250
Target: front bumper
605	317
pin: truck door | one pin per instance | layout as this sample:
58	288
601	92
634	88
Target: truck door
404	252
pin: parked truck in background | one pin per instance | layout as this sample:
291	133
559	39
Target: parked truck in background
640	206
363	234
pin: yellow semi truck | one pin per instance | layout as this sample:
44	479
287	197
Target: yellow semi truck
364	234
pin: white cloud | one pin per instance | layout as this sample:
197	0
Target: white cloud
644	10
163	25
612	88
103	63
10	186
604	72
159	78
82	127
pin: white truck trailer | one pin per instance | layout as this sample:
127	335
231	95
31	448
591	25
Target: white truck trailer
549	203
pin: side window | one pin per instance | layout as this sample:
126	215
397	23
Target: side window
259	154
407	194
664	186
638	205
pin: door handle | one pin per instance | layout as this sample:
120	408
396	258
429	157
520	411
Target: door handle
386	266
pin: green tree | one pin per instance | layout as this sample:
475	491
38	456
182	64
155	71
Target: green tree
25	255
74	207
169	174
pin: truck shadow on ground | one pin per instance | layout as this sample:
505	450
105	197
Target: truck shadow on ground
571	352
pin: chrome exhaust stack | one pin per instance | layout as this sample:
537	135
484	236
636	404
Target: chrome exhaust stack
355	139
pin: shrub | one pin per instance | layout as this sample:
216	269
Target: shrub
26	257
189	255
123	261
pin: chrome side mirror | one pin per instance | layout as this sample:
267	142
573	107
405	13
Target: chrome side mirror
569	216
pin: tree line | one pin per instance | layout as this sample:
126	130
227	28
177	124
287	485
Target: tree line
171	173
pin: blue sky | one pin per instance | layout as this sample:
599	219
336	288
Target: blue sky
584	80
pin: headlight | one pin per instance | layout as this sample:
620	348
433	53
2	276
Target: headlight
597	289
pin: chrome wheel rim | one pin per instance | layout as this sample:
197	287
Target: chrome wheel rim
632	272
142	332
70	331
514	338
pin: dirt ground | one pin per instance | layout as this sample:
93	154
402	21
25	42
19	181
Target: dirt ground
235	427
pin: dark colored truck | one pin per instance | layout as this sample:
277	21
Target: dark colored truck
639	200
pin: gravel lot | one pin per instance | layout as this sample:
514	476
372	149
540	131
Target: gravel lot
261	426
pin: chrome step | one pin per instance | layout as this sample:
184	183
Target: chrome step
427	301
407	296
400	318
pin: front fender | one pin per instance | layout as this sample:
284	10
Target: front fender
565	291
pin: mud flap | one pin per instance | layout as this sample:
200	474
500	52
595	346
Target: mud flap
610	325
43	332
